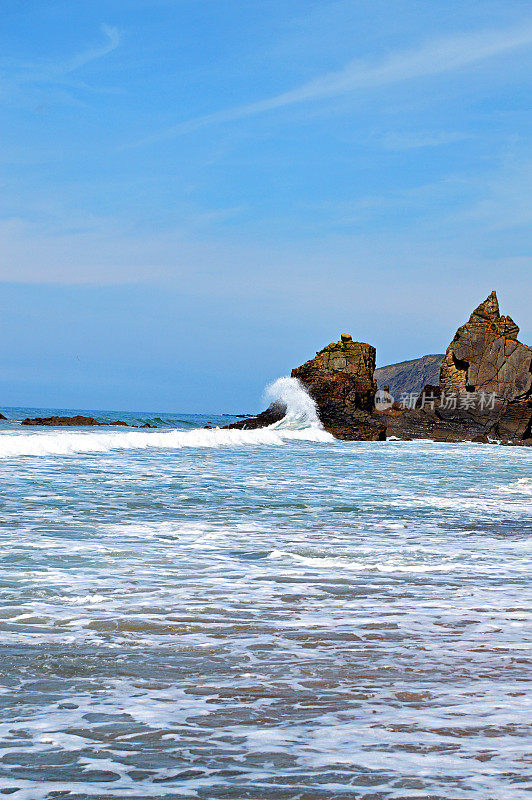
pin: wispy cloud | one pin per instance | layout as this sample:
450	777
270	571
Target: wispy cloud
414	141
59	72
112	36
432	58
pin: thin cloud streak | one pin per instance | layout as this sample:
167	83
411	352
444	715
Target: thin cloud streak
55	73
113	40
433	58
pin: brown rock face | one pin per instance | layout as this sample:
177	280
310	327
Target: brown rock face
346	365
340	380
485	356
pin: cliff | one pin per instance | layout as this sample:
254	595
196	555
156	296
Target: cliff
409	376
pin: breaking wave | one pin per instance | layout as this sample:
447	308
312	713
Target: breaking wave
301	423
301	410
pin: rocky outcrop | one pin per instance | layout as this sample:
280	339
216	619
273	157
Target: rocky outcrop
2	417
484	389
340	380
485	355
409	376
71	421
273	413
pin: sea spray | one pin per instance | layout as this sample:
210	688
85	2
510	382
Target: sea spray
301	410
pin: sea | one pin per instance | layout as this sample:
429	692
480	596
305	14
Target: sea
194	612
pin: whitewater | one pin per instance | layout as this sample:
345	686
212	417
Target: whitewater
194	612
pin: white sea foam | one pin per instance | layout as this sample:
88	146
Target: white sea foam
67	442
521	486
347	564
301	410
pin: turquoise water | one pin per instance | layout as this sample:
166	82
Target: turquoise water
262	614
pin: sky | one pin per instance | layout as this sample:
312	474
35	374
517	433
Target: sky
196	195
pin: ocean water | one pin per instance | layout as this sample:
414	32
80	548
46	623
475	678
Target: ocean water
190	613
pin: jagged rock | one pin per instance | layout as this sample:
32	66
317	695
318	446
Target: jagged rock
485	355
514	421
485	386
2	417
345	365
484	360
69	421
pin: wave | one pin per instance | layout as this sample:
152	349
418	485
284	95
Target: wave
336	563
521	486
300	424
68	443
301	410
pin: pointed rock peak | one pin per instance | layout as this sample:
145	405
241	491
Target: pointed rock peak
509	329
488	308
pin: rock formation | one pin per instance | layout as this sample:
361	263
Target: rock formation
273	413
485	355
484	392
340	380
2	417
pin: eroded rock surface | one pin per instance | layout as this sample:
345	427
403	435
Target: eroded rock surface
340	380
484	392
485	355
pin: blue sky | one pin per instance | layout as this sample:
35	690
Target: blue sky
199	194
